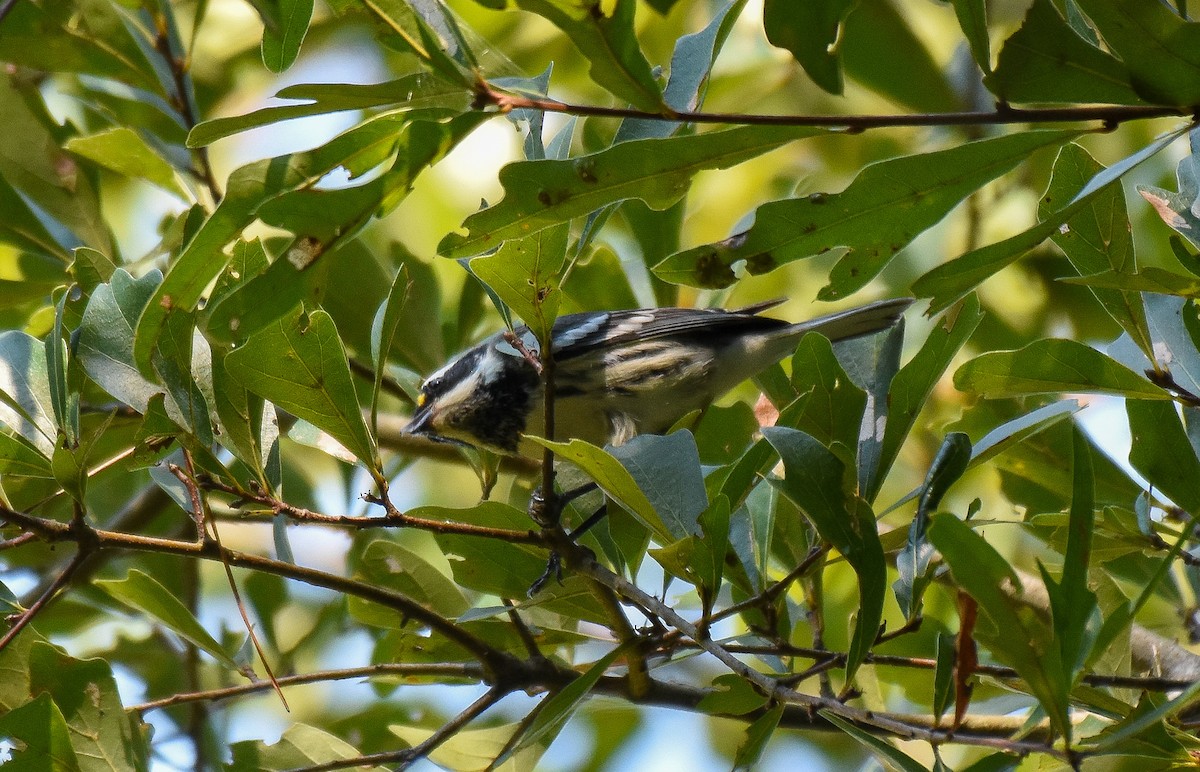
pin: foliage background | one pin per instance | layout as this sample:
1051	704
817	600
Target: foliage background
114	155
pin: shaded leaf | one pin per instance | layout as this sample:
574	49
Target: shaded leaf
811	32
1052	366
814	479
758	734
1148	35
604	33
667	470
911	387
1015	638
106	337
1045	61
912	563
1161	453
300	746
886	206
281	43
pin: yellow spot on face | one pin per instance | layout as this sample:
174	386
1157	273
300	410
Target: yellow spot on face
421	400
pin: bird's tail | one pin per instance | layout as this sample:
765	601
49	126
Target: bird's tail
856	322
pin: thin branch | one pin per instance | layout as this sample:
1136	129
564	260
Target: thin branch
414	669
1110	116
183	101
523	630
47	595
5	7
54	531
17	541
394	519
406	757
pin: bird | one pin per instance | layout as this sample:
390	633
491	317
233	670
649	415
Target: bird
616	374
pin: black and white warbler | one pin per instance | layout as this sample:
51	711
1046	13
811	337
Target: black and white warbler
617	373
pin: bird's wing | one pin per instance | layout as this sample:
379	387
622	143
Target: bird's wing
577	334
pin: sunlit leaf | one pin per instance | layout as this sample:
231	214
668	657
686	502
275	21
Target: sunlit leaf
142	592
539	194
299	364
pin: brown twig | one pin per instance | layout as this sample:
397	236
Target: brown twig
414	669
47	595
1109	116
403	758
54	531
183	100
394	518
523	631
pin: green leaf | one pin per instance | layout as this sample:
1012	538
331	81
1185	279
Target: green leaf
39	737
814	479
912	563
833	404
1046	61
613	478
295	277
914	383
538	194
1073	605
300	746
972	19
1052	366
124	151
1149	279
886	206
383	335
1097	237
26	401
524	273
1173	323
186	403
1175	207
425	579
909	75
605	35
1161	50
1015	638
1161	453
553	713
43	174
811	32
475	748
951	281
758	735
86	693
63	398
21	459
884	750
249	187
299	364
419	91
708	558
281	45
106	337
142	592
667	470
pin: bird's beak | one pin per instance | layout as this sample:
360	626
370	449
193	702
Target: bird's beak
421	422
